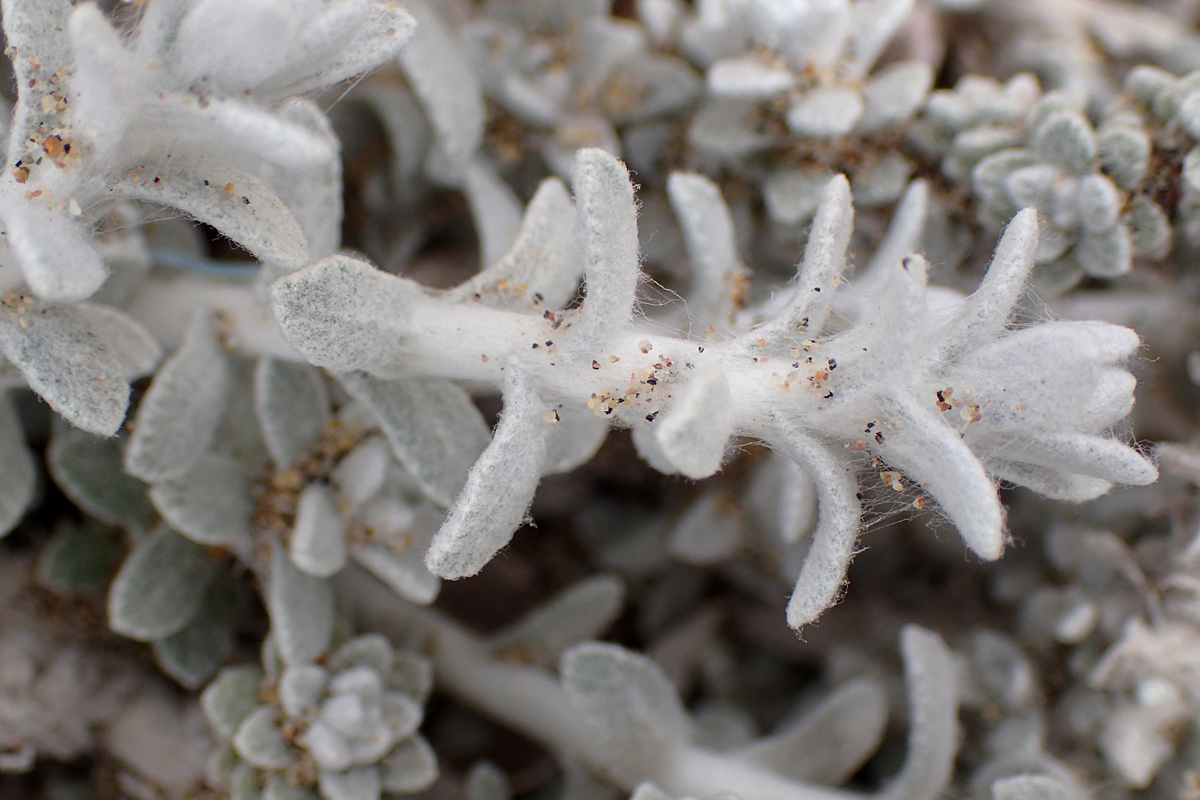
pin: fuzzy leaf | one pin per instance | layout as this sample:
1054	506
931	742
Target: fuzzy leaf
410	767
359	783
301	689
230	698
627	705
211	503
318	545
544	259
499	488
78	561
65	356
18	473
292	405
433	427
90	471
441	75
160	586
694	428
259	740
193	654
583	611
406	574
301	609
832	740
343	314
606	230
249	213
180	412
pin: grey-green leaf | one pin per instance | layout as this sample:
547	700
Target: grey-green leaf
318	544
259	740
18	474
90	471
292	404
78	561
69	363
179	414
410	767
159	587
230	698
301	609
434	429
359	783
584	611
627	705
193	654
211	503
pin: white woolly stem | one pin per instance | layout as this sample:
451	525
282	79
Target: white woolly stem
533	703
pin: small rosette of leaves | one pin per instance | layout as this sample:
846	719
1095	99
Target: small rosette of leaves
343	730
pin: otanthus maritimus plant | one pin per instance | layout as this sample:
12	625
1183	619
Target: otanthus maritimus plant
312	305
952	400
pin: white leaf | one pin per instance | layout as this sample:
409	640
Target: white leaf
434	429
180	412
230	698
211	503
543	261
495	208
606	230
259	740
406	574
499	488
235	202
70	364
931	680
410	767
581	612
711	243
693	430
441	75
318	545
301	689
292	404
627	705
359	783
343	314
301	610
829	743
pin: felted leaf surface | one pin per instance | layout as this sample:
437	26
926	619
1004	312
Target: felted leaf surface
318	545
197	187
18	473
78	561
359	783
230	698
434	429
584	611
160	586
193	654
301	609
406	574
627	705
90	470
293	408
259	740
68	362
180	412
410	767
211	503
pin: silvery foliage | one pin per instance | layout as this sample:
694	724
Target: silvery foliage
951	402
344	729
616	93
815	55
160	116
